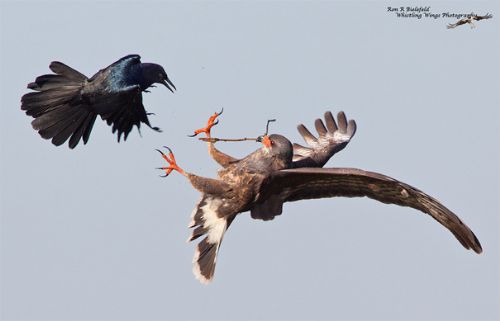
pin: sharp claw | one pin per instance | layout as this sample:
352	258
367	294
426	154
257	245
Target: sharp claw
212	121
163	169
170	159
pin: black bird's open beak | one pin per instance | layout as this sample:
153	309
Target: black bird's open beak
168	84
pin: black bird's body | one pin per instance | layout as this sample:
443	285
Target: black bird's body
65	104
281	172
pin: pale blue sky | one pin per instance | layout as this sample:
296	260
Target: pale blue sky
95	234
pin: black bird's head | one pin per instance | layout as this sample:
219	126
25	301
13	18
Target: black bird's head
154	73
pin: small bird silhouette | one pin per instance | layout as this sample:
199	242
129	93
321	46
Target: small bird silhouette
470	20
280	172
65	104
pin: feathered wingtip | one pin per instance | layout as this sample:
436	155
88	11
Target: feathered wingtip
333	136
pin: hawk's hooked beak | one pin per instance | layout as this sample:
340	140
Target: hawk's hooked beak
168	83
264	139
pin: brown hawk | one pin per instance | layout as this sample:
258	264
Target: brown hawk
280	172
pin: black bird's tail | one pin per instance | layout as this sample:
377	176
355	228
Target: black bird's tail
57	106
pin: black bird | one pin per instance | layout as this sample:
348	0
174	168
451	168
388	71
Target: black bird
280	172
65	104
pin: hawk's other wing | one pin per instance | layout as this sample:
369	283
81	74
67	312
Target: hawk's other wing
332	139
312	183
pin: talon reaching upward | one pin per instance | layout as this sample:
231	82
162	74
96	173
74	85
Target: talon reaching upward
65	104
280	172
210	123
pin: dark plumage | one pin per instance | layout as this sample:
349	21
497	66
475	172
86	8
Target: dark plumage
280	172
65	104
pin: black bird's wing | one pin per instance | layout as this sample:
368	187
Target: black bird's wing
115	96
123	109
312	183
332	139
128	59
122	65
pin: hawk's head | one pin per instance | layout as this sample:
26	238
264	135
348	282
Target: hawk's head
277	146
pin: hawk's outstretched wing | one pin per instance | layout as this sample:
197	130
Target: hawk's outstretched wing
311	183
332	139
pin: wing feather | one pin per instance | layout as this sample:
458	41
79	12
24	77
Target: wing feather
313	183
123	110
331	139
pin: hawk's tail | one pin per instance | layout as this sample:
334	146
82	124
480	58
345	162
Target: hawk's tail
57	107
206	220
